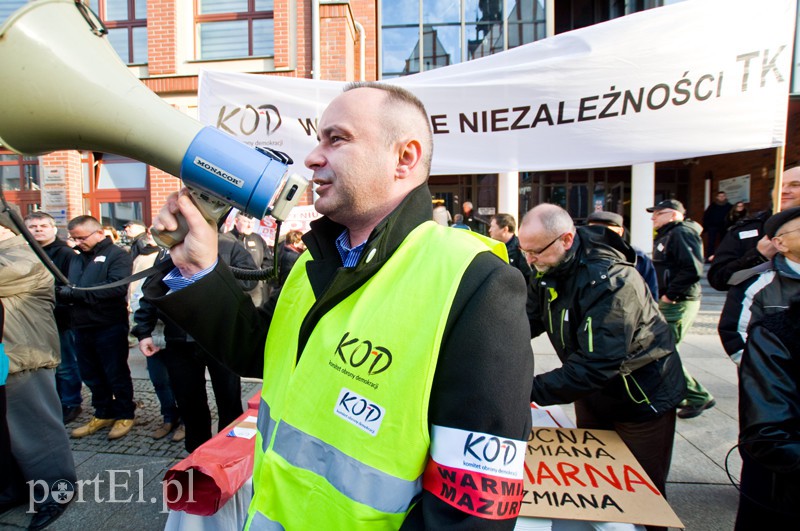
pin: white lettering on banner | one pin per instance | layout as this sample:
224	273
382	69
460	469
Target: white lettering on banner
481	452
679	81
746	234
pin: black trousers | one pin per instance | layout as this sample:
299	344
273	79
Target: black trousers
186	364
650	442
767	499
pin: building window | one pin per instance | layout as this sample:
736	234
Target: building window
419	35
230	29
115	188
126	21
19	177
19	173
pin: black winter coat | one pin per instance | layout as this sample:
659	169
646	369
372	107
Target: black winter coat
103	264
769	405
737	250
231	251
678	259
603	324
61	254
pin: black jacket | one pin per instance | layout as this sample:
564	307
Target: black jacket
678	259
103	264
147	315
737	250
755	293
61	254
769	407
257	247
603	322
287	257
483	376
517	259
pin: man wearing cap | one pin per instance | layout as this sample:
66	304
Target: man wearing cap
763	289
757	296
745	245
614	222
678	259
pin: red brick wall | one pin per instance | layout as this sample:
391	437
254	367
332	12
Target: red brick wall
337	43
71	161
161	37
366	12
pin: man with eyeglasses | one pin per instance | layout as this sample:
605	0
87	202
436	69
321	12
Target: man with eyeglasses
756	295
620	366
100	323
678	259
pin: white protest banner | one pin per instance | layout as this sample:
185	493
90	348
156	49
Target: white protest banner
686	80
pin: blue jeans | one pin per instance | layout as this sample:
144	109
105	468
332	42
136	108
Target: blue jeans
159	376
103	363
68	378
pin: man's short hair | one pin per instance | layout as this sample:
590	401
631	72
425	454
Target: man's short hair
84	220
505	220
400	100
40	216
294	236
553	218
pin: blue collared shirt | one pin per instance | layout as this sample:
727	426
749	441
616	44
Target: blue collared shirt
175	281
350	255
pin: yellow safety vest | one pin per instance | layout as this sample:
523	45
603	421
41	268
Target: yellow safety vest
343	436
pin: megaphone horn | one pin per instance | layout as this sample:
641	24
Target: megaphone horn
64	87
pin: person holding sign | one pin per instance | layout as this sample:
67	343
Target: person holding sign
620	366
387	401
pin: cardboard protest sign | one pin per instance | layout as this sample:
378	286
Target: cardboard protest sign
577	474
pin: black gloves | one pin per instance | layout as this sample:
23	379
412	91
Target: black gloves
69	294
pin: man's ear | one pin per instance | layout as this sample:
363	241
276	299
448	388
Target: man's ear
409	157
777	242
569	239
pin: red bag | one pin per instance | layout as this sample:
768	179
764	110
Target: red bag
205	480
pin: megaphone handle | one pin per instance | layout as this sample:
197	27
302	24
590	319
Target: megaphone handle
212	209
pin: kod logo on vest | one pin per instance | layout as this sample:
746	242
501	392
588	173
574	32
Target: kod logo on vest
358	352
359	411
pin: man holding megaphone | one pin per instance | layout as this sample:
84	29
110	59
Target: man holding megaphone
380	377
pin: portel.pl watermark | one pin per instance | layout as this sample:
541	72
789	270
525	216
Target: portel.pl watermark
111	486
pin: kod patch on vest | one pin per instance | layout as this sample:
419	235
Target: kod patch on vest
359	411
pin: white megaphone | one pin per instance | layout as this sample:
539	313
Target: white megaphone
64	87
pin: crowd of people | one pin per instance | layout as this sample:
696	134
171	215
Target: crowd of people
85	321
371	399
